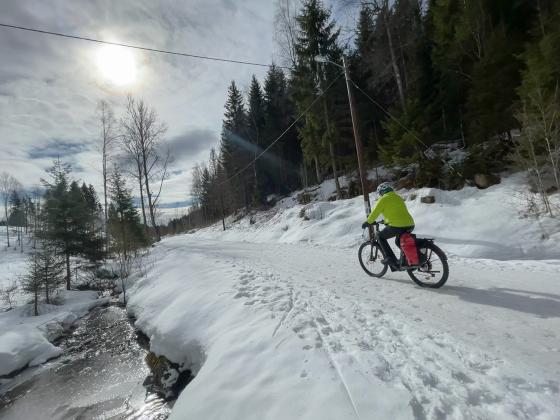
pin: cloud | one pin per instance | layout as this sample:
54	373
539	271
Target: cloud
177	204
191	143
49	86
57	148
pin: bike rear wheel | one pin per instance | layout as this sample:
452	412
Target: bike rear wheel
434	270
370	257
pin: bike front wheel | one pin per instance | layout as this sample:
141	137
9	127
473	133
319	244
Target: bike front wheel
434	270
370	257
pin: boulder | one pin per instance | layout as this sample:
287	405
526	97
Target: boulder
429	199
484	181
167	378
406	182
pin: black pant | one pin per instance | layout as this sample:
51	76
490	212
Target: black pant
391	232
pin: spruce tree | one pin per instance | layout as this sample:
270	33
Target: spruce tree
51	268
317	37
538	110
125	230
255	122
32	281
67	220
234	150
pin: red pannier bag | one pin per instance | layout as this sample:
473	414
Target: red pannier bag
408	246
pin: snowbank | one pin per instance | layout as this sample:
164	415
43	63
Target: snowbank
26	339
470	222
288	331
246	365
13	263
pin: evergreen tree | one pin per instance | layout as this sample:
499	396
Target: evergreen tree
32	281
67	220
319	133
50	268
126	233
235	149
278	166
256	122
538	111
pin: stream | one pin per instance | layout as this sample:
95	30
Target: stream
100	375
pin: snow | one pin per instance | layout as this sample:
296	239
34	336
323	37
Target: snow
26	339
292	331
13	263
277	320
470	222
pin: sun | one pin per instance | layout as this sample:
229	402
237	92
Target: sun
117	65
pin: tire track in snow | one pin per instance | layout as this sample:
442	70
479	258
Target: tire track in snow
444	377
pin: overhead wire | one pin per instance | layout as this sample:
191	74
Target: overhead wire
299	117
219	59
138	47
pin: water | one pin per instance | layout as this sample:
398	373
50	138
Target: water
100	376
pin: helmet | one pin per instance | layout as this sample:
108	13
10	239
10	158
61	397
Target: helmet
384	188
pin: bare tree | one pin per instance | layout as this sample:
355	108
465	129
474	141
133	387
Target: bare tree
142	137
286	29
8	294
8	184
109	136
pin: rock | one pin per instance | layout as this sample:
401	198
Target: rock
484	181
412	197
406	182
429	199
167	378
548	181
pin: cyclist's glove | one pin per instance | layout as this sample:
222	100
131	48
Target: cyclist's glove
365	225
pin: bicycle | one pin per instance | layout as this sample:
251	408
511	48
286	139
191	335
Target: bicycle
432	261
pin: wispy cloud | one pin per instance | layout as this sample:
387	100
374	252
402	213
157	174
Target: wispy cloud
57	148
49	86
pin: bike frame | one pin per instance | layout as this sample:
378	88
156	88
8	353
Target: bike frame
374	230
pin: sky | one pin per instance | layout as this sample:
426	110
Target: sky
50	86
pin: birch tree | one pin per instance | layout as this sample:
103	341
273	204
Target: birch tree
109	136
142	138
8	184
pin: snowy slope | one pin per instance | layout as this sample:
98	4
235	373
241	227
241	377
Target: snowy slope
477	223
278	321
13	263
26	339
282	331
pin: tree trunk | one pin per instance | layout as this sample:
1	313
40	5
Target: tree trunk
394	63
105	197
7	224
223	210
47	287
68	275
317	171
124	291
335	172
331	150
150	204
141	186
35	301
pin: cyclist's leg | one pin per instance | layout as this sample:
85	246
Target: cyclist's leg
382	236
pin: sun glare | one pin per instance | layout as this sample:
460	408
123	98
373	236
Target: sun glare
117	64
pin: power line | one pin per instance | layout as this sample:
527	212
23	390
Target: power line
428	148
137	47
300	116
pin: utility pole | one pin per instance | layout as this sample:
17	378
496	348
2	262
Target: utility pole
357	139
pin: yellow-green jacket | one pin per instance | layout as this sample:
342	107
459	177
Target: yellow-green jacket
393	209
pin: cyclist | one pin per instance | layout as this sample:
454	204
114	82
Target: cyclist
397	219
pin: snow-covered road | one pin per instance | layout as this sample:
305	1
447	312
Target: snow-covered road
299	331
